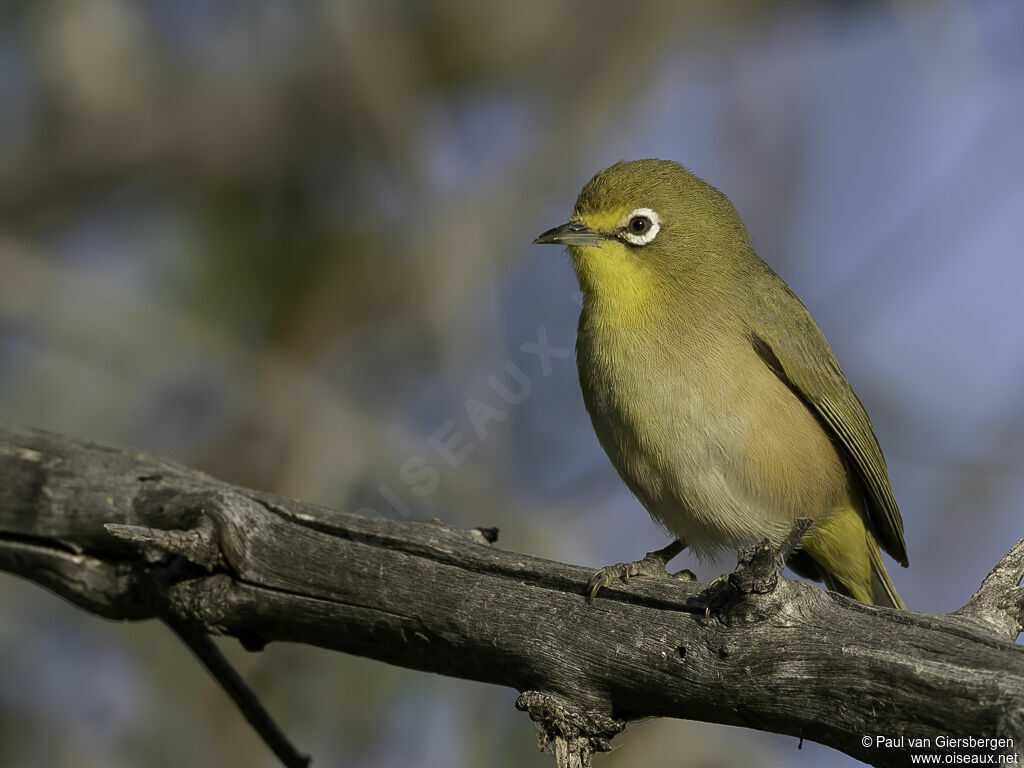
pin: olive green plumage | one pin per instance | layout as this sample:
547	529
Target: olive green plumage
711	388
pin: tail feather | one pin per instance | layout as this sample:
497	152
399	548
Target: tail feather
849	561
882	590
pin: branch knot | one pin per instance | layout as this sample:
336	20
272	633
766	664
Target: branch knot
572	736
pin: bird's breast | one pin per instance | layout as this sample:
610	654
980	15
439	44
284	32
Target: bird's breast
714	445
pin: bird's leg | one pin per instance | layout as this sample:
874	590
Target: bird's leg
792	541
654	564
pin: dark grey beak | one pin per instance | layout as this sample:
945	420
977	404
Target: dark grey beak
572	233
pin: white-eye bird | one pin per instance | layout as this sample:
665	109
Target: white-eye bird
712	389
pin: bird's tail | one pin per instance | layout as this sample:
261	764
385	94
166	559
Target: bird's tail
849	560
880	589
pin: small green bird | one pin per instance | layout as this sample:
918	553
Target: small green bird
714	392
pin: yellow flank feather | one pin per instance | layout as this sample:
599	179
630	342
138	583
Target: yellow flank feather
849	556
840	547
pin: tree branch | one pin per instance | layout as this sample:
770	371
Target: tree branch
220	668
999	602
127	536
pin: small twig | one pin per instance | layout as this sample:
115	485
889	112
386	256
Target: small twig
197	545
999	602
217	665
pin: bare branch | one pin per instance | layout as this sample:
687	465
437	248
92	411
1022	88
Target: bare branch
127	536
202	645
999	602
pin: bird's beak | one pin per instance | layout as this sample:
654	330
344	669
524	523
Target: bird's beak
572	233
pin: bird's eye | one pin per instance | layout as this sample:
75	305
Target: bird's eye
640	227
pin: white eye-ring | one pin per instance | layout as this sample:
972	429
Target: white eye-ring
640	227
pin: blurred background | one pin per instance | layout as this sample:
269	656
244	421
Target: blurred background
289	244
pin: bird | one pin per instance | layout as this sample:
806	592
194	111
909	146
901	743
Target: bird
714	392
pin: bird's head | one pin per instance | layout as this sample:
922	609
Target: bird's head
648	226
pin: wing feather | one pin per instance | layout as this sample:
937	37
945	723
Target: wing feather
804	360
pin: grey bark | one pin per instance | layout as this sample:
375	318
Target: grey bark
128	536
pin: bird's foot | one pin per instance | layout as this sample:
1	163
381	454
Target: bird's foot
653	565
719	593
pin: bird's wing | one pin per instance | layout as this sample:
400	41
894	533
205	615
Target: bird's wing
802	358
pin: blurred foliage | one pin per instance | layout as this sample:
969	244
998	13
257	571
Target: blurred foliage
286	243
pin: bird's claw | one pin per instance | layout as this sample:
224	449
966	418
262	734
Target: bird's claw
653	565
719	591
